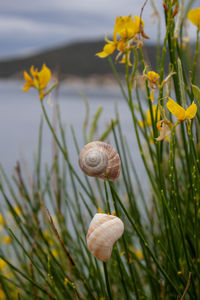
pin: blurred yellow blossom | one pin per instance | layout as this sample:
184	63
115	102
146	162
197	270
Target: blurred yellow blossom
17	210
179	112
147	121
54	252
153	78
194	17
2	264
38	80
179	272
68	282
108	49
2	221
2	294
164	126
48	236
6	239
100	211
126	29
139	254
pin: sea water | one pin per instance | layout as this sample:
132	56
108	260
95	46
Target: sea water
20	115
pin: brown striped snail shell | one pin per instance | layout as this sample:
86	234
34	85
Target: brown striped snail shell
103	232
98	159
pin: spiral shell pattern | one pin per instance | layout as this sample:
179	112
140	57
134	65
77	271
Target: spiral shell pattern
103	232
98	159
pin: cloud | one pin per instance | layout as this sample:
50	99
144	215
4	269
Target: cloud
27	25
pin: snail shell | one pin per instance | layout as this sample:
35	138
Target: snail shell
98	159
103	232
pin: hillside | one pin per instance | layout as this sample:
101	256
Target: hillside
77	59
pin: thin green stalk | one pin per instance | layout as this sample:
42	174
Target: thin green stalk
107	199
117	78
38	165
175	199
136	131
135	227
132	272
107	281
195	57
64	151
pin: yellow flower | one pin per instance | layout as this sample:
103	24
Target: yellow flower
17	210
147	121
54	252
164	126
194	16
48	236
138	253
151	97
100	211
179	112
153	78
30	82
2	221
2	264
38	80
179	272
6	239
126	29
123	60
68	282
108	49
2	294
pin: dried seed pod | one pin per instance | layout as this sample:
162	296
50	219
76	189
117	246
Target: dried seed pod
98	159
103	232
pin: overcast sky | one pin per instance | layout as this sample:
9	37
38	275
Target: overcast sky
27	26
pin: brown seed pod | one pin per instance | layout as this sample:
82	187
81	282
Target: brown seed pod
98	159
103	232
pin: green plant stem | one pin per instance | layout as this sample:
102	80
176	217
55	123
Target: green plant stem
195	57
107	281
135	227
136	130
107	198
63	151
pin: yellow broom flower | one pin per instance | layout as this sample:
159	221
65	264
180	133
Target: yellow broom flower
2	294
194	17
153	76
2	221
126	28
108	49
3	264
147	121
37	80
179	112
6	239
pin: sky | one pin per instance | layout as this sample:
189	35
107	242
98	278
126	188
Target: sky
29	26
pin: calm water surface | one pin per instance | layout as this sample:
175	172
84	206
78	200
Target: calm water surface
20	116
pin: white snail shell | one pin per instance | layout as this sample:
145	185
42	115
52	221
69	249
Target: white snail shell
103	232
98	159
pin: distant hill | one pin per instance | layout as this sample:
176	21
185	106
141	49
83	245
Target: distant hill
77	59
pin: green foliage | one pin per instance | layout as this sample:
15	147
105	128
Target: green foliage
44	220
